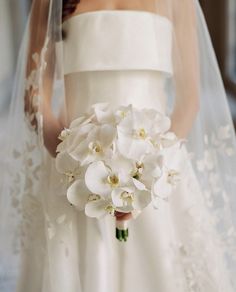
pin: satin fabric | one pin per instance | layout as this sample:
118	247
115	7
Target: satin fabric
113	40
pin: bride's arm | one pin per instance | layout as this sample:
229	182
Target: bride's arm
51	125
186	67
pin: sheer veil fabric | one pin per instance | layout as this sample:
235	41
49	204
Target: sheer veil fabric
196	84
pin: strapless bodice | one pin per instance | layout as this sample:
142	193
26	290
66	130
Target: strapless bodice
117	40
116	56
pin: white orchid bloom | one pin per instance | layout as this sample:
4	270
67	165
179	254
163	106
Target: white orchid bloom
103	114
73	136
64	134
78	194
133	142
146	123
96	146
67	166
94	205
122	112
99	208
148	169
137	131
103	106
129	199
98	114
102	179
81	121
112	182
160	122
164	186
171	174
166	140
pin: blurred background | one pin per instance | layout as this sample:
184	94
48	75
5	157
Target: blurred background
220	16
13	16
221	20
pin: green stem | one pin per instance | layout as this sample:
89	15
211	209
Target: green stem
122	235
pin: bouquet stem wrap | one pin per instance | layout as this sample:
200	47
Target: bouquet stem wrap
122	231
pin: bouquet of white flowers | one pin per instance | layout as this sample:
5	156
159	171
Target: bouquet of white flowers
114	161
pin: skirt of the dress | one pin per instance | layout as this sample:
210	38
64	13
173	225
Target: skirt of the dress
172	249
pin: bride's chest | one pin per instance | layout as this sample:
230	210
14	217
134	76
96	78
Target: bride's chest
117	40
117	57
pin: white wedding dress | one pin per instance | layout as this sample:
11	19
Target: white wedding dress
121	57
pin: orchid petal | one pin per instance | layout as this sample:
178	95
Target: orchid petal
132	148
142	199
162	123
65	163
96	179
116	197
139	185
81	152
119	203
107	135
97	209
78	194
161	187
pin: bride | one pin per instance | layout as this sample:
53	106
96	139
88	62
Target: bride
150	54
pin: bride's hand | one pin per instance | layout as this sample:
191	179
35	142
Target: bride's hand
123	216
51	130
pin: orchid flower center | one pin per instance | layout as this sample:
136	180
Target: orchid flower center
123	114
172	177
142	133
64	134
139	166
138	170
110	209
95	147
113	180
127	198
93	198
70	175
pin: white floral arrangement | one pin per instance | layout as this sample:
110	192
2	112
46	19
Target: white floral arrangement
114	161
